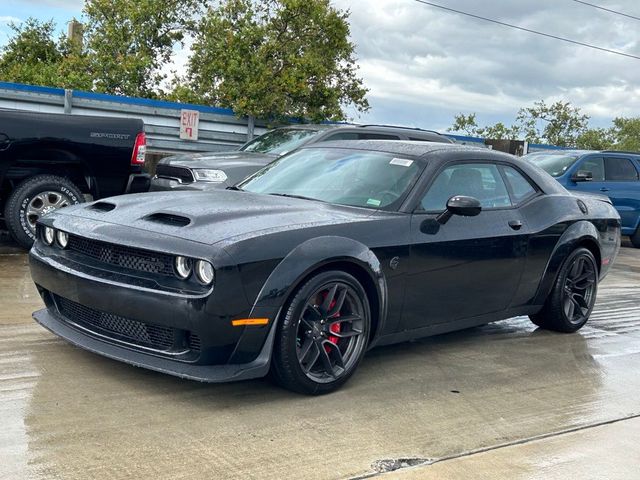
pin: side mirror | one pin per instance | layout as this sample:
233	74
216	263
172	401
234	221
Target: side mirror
582	176
460	205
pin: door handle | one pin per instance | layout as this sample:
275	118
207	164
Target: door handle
604	189
515	224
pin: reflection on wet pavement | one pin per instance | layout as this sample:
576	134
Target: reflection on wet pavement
67	413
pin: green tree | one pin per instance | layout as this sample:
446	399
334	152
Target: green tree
464	124
31	55
626	134
275	59
34	56
468	124
130	42
595	139
557	124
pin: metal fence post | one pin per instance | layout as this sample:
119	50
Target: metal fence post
68	99
251	125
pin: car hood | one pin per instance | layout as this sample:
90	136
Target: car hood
212	216
219	160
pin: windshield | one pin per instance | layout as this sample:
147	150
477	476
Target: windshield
347	177
279	141
554	164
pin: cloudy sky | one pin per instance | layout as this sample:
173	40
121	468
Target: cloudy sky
423	65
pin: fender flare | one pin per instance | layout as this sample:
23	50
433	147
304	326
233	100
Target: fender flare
578	233
299	263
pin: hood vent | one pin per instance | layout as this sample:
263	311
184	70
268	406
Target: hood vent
102	206
168	219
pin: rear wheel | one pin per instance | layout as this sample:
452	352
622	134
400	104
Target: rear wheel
323	334
33	199
573	296
635	238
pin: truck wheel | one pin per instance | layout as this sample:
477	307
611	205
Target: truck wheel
34	198
635	238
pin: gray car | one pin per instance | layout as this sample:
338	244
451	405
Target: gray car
220	170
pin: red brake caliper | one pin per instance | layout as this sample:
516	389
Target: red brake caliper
333	327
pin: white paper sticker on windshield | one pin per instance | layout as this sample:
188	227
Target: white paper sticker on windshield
373	202
401	161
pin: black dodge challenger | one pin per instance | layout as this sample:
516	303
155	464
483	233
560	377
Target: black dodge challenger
322	254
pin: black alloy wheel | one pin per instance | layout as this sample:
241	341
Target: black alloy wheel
579	289
571	301
323	335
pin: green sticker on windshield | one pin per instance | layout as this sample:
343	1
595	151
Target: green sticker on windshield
373	202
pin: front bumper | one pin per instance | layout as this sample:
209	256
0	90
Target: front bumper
161	184
138	183
223	353
204	373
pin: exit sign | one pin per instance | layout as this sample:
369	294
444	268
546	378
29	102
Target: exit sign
189	120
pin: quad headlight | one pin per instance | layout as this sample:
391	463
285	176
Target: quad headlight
62	238
208	175
183	267
205	272
49	235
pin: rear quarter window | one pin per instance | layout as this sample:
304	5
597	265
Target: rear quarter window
619	169
521	188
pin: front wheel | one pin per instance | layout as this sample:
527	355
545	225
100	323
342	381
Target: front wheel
323	334
33	199
571	301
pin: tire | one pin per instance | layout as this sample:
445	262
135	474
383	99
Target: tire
34	198
573	296
309	334
635	238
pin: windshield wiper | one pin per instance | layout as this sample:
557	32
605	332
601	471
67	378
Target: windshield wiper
289	195
233	187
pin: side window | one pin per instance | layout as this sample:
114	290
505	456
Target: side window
377	136
480	180
521	189
594	165
342	136
617	169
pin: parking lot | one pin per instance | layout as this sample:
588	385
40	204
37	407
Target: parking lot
501	401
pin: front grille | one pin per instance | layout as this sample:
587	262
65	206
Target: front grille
121	256
139	333
125	329
184	174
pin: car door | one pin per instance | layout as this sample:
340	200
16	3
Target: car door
616	177
621	185
469	266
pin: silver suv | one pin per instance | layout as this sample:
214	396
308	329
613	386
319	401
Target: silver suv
220	170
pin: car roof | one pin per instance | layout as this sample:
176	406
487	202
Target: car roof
562	152
335	126
402	147
582	152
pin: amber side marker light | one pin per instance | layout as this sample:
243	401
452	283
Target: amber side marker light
249	321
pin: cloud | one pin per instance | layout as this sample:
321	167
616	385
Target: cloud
427	59
6	19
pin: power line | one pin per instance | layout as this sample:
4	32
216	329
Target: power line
606	9
535	32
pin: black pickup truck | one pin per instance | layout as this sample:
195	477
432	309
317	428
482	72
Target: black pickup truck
48	161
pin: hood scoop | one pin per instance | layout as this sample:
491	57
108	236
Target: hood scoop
102	207
169	219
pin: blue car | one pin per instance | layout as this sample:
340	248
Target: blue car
611	173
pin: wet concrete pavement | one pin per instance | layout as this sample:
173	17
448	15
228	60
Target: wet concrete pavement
500	401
